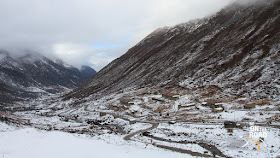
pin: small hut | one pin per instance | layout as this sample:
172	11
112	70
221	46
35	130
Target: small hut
171	96
249	106
186	106
127	102
230	124
218	107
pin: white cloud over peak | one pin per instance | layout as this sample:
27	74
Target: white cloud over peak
71	29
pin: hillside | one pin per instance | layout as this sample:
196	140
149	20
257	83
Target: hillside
237	49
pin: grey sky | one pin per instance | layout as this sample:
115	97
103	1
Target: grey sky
92	32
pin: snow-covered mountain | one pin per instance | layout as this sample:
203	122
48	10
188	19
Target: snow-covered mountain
237	49
32	75
87	71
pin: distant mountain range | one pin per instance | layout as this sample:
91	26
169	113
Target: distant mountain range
237	49
33	75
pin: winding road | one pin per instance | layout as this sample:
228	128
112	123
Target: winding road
214	150
128	137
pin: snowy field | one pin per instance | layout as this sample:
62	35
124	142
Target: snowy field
32	143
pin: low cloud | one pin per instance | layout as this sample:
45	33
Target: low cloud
91	32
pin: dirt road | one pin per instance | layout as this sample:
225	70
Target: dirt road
128	137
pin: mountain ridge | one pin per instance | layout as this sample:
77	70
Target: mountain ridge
235	49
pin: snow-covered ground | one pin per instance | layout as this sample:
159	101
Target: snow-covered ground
151	126
32	143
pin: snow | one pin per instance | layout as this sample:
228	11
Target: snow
192	147
60	62
97	141
2	56
36	89
32	143
230	143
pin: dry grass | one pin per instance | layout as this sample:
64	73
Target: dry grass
207	94
224	100
162	109
210	117
275	118
124	107
196	119
237	108
242	101
229	130
188	115
261	102
220	100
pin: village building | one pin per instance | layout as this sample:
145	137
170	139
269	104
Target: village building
249	106
183	106
230	124
171	96
125	101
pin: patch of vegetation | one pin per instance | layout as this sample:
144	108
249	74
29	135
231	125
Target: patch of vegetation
249	106
261	102
4	119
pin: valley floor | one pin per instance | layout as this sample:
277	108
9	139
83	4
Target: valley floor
144	123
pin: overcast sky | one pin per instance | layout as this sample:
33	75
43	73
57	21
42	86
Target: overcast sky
91	32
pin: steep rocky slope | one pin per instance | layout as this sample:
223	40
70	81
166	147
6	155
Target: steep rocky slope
33	75
236	49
